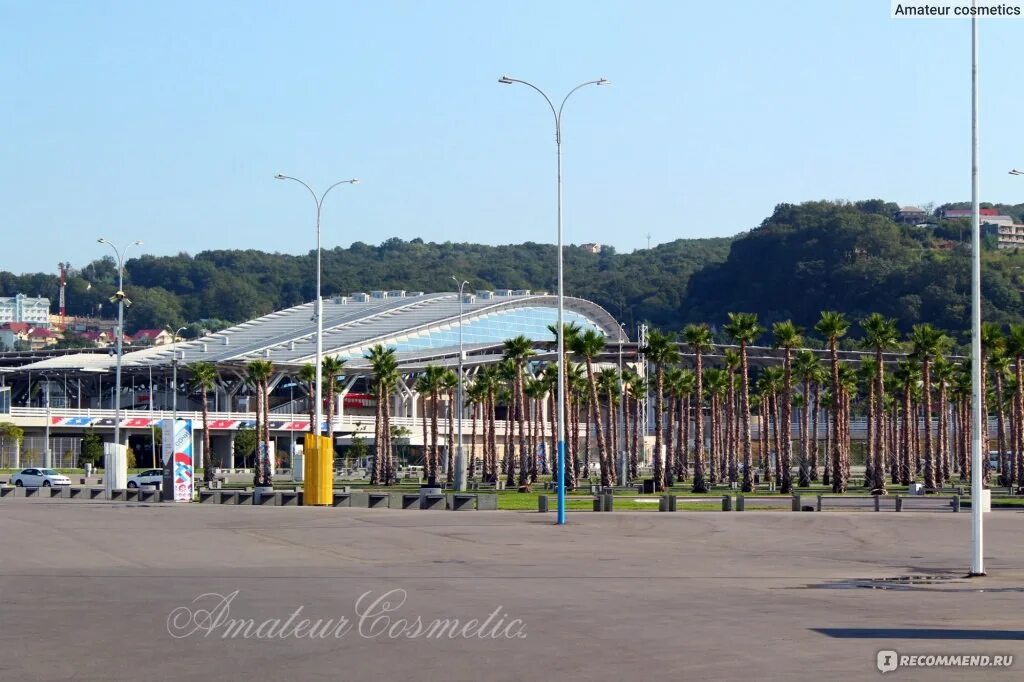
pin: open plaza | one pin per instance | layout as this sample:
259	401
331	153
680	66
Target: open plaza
111	591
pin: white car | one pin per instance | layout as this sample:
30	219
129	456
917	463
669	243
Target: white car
147	477
36	478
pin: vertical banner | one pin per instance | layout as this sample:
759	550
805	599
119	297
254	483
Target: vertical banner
177	454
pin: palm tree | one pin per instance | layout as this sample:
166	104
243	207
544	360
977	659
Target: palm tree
588	345
430	383
869	372
448	384
787	336
731	359
569	330
943	372
476	393
204	379
1015	348
537	391
660	351
698	337
637	388
608	386
880	333
307	375
715	386
685	386
848	386
384	366
908	375
833	326
518	350
744	329
331	368
259	373
805	366
992	344
1000	366
769	385
928	343
673	390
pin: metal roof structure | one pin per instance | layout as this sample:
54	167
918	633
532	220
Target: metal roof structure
422	328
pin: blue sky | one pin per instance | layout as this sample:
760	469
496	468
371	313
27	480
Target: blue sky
167	121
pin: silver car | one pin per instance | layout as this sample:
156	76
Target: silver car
39	478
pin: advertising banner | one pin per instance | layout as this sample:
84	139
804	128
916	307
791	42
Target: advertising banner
177	454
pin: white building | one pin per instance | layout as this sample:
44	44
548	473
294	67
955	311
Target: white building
22	308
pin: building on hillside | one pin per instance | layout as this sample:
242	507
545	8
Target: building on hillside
911	215
41	337
22	308
1009	236
152	337
591	247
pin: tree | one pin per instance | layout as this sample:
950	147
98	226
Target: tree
806	366
569	330
259	373
384	366
787	336
928	343
307	375
834	326
92	445
589	345
449	382
331	368
880	333
204	379
518	350
661	352
698	337
744	329
1015	349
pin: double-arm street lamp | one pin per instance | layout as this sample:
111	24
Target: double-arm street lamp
561	292
1016	172
317	390
120	298
460	460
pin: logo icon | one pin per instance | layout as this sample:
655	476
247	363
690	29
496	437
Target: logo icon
888	660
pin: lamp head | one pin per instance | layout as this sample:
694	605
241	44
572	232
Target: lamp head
1016	172
354	181
101	240
137	242
505	80
603	81
279	176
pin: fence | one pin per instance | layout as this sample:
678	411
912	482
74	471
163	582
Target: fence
64	451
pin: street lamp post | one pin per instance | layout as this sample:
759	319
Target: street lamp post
505	80
319	201
174	373
623	464
120	331
978	420
460	462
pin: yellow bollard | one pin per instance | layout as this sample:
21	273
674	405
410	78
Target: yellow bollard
319	474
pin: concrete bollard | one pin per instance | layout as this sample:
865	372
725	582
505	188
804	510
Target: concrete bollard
542	504
726	502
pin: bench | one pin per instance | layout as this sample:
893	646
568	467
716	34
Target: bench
96	492
342	499
131	495
208	497
75	493
59	491
855	502
266	499
149	495
226	496
288	498
378	500
433	501
776	501
404	501
245	497
117	494
7	491
462	502
928	502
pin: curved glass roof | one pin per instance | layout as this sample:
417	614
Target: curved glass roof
413	324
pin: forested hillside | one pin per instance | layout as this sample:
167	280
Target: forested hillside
804	258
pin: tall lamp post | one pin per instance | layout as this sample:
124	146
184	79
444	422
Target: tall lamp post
505	80
174	372
319	201
460	462
623	447
978	420
120	298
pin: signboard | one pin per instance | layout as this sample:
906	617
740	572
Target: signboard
177	454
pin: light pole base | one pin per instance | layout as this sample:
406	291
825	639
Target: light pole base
460	470
972	574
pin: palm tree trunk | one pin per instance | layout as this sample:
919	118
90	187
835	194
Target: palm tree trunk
474	414
700	485
786	463
207	453
670	445
634	452
552	450
714	442
450	442
879	413
659	423
815	417
805	437
748	483
681	432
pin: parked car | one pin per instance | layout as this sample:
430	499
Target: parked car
35	478
147	477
